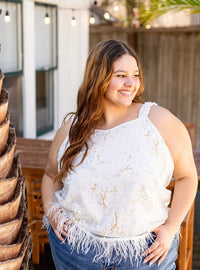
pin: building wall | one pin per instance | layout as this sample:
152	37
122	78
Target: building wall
73	50
72	54
29	97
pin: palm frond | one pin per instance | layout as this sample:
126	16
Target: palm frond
156	8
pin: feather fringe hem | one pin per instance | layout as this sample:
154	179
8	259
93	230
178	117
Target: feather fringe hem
103	247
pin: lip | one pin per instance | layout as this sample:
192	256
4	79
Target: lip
126	92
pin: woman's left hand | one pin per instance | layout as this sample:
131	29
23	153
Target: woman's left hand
159	249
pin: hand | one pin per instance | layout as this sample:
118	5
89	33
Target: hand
53	219
159	249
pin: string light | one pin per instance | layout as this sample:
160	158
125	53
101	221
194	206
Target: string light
116	7
47	19
147	26
106	16
73	21
7	18
92	20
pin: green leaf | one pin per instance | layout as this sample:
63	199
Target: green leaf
157	8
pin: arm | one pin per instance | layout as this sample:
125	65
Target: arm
177	138
186	181
49	186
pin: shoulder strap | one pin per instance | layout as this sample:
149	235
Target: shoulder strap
144	110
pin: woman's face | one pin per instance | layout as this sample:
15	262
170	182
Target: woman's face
124	82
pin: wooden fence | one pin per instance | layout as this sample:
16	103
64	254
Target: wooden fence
170	59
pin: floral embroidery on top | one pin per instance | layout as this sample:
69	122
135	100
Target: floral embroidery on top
118	194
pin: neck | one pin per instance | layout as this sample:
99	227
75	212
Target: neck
116	115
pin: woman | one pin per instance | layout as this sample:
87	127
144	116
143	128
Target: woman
104	188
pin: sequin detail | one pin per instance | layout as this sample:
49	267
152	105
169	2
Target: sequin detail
118	192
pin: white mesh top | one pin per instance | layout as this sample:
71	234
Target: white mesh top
117	195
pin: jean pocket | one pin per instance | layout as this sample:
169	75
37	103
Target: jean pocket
55	238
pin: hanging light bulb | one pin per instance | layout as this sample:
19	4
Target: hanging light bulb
92	20
47	19
116	7
7	17
147	26
73	21
106	16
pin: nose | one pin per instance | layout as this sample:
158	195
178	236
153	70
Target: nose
129	81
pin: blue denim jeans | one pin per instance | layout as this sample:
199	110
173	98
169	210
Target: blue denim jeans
65	259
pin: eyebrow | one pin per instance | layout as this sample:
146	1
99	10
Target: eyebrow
124	71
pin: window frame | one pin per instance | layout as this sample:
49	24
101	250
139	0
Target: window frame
50	127
20	71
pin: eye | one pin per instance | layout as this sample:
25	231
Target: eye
136	76
120	75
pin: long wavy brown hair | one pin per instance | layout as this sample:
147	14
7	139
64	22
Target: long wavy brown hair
90	111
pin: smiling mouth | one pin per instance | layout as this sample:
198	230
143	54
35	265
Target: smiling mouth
126	92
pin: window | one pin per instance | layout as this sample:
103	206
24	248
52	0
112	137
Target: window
44	101
11	59
46	63
14	86
11	37
45	37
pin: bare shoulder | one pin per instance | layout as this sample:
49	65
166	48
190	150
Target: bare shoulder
61	134
158	113
164	119
171	129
